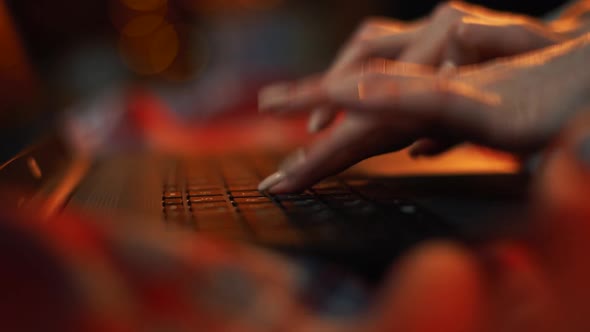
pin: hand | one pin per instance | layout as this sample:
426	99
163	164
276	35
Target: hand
510	104
455	34
535	281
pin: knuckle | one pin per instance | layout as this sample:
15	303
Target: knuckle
463	32
373	21
368	24
447	8
365	48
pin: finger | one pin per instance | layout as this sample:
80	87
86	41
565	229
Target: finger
491	38
438	287
427	48
429	43
430	147
350	142
380	47
288	97
308	93
320	119
404	92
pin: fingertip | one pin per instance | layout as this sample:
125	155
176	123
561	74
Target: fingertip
278	190
315	123
273	97
271	181
286	186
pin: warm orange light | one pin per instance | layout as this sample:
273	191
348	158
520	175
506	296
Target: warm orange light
150	53
193	55
142	26
163	48
123	17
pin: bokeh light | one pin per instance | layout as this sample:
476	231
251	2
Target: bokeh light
145	5
142	25
150	53
148	42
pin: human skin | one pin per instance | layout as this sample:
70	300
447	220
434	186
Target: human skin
455	34
516	104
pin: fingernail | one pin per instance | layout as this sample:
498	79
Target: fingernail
272	181
315	122
584	151
274	96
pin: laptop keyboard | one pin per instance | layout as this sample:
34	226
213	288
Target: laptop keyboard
220	197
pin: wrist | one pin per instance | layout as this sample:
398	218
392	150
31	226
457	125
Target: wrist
571	73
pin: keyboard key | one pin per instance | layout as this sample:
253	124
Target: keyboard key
172	194
206	192
251	200
304	205
346	204
219	206
256	206
294	197
243	187
247	193
332	191
204	183
206	199
172	201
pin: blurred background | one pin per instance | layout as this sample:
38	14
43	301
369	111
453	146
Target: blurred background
200	58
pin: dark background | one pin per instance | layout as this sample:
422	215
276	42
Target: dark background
246	45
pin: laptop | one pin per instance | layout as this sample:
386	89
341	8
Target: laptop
361	220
